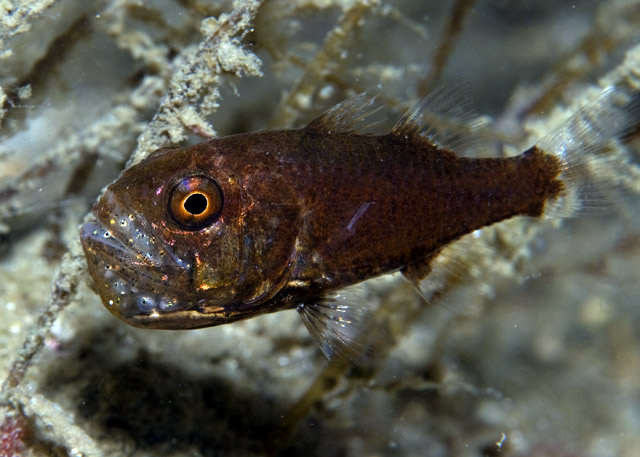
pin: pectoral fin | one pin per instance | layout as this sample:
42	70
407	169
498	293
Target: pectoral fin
337	322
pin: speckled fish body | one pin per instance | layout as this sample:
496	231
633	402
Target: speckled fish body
261	222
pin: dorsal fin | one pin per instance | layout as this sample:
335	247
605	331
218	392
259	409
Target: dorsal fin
445	117
348	116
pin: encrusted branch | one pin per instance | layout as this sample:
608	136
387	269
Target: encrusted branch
193	90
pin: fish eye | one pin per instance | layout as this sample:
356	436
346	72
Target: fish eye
195	202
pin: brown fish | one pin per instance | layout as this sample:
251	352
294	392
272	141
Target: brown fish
261	222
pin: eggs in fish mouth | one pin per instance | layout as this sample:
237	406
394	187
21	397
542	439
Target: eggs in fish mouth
173	241
142	278
119	253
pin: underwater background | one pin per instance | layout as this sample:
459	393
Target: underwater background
530	343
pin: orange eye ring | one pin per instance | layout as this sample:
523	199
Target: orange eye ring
195	202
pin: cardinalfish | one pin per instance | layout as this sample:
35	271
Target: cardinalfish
261	222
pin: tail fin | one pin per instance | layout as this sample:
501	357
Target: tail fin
586	146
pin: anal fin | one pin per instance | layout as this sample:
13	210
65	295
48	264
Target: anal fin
449	270
419	270
419	274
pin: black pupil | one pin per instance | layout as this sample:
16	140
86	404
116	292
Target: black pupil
195	204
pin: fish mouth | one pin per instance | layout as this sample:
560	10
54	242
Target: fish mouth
139	278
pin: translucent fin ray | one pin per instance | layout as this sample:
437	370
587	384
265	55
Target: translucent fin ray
444	117
348	116
337	321
584	143
450	271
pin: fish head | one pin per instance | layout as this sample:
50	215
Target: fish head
191	238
